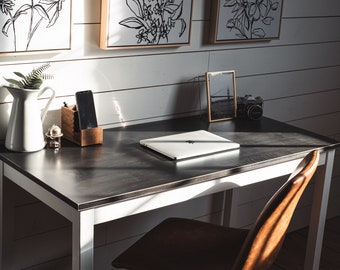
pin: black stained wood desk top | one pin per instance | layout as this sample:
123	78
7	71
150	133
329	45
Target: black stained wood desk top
121	169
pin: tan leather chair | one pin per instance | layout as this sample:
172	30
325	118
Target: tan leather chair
186	244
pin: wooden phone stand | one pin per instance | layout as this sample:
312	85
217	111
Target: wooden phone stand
71	131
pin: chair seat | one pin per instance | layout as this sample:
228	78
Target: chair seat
178	243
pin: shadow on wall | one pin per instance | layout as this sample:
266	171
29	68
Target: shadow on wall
5	111
53	117
191	97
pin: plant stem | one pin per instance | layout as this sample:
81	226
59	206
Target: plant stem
37	25
14	32
30	27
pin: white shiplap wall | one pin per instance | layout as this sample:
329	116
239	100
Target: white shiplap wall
297	75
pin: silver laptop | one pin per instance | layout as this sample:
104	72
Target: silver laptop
189	144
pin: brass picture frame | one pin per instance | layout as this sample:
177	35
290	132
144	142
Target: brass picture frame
221	95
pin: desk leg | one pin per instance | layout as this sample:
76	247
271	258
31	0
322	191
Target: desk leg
1	210
6	225
230	212
318	214
83	241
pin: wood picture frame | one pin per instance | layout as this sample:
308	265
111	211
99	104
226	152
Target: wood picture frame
140	23
28	26
221	95
239	21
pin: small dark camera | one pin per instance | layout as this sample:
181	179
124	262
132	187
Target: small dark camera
249	107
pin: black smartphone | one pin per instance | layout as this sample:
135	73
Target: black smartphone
86	110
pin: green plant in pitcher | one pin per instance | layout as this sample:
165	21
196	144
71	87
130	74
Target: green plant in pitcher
32	80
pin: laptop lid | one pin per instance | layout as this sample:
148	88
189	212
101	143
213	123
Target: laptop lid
189	144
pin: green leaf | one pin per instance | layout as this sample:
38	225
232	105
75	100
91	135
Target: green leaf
15	82
33	80
19	74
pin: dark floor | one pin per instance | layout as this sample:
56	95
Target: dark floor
292	254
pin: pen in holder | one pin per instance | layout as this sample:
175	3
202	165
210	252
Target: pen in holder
71	128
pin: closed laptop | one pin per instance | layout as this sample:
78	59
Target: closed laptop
189	144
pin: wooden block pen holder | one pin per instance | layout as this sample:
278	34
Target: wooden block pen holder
71	131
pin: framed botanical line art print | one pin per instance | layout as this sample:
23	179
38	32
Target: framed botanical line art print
30	26
245	20
145	23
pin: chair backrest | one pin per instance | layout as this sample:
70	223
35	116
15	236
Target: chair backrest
265	238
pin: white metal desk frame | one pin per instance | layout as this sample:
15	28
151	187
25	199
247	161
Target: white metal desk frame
83	221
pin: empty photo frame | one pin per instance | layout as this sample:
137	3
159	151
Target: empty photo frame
221	95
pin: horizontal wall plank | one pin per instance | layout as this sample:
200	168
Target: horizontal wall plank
298	107
276	59
30	221
290	84
141	223
122	73
115	107
323	124
41	248
259	191
308	30
307	8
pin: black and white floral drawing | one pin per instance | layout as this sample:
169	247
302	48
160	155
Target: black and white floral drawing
29	25
147	22
248	19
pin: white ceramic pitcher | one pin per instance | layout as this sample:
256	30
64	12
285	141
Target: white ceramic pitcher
25	131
